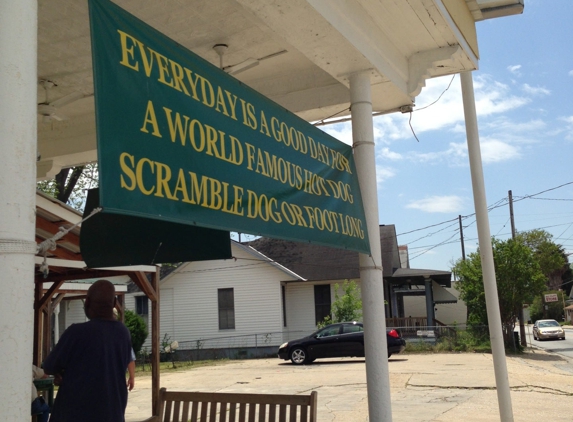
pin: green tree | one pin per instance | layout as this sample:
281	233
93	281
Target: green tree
346	306
554	309
519	280
550	256
71	184
136	326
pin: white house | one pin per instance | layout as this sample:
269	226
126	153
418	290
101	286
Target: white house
274	291
223	306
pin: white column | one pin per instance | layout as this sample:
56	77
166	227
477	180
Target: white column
18	62
375	344
486	251
56	324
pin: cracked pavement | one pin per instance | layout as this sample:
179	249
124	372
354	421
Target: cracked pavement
441	387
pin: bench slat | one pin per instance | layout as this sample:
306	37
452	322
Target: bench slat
303	414
242	412
262	412
293	412
185	414
167	411
283	412
232	412
203	411
252	412
175	417
213	413
194	410
223	412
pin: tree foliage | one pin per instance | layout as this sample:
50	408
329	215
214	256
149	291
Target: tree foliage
554	309
550	256
136	326
519	279
346	306
71	185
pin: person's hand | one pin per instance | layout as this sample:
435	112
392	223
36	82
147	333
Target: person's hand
58	379
130	383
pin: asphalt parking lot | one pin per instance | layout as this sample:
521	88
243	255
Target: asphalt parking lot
424	387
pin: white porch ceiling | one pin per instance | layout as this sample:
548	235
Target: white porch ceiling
401	42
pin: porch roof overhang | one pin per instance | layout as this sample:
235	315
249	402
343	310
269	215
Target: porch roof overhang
305	51
414	276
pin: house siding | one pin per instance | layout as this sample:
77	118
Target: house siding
300	308
189	303
448	313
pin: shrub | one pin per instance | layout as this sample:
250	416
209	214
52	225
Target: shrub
137	328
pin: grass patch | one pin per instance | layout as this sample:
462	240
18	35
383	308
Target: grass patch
463	341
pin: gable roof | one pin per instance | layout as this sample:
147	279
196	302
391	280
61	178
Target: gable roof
257	259
317	263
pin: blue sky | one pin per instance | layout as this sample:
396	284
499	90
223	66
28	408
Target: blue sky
524	101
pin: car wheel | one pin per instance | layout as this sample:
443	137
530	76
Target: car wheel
298	356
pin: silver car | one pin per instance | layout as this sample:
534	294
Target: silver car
547	328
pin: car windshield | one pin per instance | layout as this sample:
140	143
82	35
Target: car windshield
548	324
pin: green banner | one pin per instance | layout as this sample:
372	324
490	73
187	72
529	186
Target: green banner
181	141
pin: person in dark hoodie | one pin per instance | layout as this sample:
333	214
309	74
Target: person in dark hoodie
89	363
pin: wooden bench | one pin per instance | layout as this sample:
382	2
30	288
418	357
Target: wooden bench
190	406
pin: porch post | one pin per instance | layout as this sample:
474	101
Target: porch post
372	285
18	84
155	373
430	315
486	251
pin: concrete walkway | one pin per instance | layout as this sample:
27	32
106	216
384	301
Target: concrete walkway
424	387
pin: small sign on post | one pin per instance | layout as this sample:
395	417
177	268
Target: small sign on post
552	297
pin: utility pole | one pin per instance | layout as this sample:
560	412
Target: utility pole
521	322
462	237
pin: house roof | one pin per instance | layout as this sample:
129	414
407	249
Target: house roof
315	262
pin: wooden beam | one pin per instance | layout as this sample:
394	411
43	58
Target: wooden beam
141	281
79	274
47	331
53	228
120	306
62	253
37	323
58	299
76	297
48	295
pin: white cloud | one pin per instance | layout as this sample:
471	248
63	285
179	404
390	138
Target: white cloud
390	155
535	90
448	113
569	128
443	204
493	97
571	73
495	151
383	173
340	131
515	69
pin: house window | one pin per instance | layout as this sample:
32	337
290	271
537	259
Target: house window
141	305
283	299
142	309
226	309
321	302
